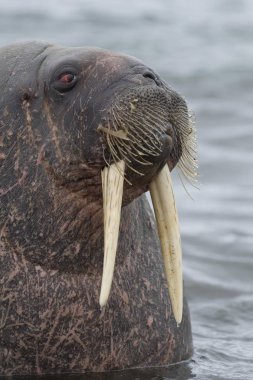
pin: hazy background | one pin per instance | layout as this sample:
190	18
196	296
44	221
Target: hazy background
204	49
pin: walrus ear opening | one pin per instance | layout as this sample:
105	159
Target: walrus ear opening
26	97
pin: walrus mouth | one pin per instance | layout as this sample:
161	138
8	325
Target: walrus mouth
134	139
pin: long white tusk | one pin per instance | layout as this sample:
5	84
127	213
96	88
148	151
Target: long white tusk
168	229
112	186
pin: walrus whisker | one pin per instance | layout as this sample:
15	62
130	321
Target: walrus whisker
127	147
112	150
184	186
149	133
188	162
155	116
145	149
112	137
132	169
187	166
122	151
120	134
134	152
141	145
138	137
147	130
189	174
118	122
115	162
118	158
124	155
122	147
179	172
138	140
146	125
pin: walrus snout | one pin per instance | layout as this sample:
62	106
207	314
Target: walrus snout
142	126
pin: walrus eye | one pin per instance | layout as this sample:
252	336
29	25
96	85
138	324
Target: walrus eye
67	78
65	82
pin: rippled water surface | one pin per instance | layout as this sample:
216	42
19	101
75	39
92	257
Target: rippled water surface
204	49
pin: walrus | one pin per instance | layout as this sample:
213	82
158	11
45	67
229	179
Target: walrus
87	282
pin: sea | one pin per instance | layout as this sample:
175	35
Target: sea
203	49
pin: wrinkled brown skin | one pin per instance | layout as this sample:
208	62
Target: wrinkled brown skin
51	231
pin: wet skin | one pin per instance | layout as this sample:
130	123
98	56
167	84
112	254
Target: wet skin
52	101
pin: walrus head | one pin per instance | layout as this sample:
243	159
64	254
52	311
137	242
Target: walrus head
87	112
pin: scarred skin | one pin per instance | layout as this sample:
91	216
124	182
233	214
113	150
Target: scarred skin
51	230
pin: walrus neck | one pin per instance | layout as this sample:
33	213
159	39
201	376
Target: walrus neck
80	234
72	238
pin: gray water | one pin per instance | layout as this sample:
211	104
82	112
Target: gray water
204	49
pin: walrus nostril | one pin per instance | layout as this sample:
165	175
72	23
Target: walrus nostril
150	75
